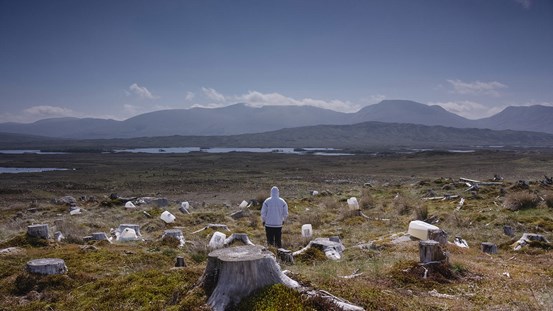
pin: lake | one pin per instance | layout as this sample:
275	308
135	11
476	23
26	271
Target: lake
15	170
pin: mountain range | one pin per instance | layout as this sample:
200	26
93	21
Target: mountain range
242	119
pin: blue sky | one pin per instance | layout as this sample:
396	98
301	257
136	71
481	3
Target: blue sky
116	59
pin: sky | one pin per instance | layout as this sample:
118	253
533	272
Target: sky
117	59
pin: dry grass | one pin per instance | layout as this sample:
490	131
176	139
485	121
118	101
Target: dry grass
140	275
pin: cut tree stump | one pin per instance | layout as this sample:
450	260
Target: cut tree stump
136	228
239	214
438	235
488	247
173	233
180	262
285	256
38	231
235	272
99	236
47	266
333	250
509	231
430	251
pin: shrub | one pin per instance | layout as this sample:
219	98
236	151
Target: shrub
549	199
331	204
311	255
521	200
421	212
367	201
404	205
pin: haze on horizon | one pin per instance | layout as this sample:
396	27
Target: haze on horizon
117	59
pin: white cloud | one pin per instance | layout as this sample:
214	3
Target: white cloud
49	112
189	96
140	91
213	95
35	113
258	99
477	87
524	3
468	109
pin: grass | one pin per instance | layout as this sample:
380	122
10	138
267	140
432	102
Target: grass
141	275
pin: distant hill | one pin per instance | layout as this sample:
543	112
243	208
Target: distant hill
532	118
406	111
241	119
364	136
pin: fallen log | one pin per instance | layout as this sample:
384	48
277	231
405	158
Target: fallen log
212	226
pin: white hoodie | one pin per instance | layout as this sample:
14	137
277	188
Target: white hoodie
274	210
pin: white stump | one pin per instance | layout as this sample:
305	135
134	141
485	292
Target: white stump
47	266
136	228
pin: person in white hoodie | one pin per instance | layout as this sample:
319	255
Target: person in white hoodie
274	212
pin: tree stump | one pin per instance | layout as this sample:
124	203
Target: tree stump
136	228
180	262
58	236
488	247
285	256
99	236
509	231
239	214
173	233
438	235
431	251
38	231
47	266
333	250
235	272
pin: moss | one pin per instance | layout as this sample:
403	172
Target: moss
23	240
274	297
311	255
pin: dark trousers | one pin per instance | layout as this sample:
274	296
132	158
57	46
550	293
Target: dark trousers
274	235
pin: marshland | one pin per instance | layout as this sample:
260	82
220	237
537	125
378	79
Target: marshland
392	190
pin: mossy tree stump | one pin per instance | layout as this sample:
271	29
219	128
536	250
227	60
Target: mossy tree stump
47	266
235	272
38	231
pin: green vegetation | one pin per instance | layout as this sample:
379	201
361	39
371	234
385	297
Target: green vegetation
391	190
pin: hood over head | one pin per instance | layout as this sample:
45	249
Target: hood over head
275	192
